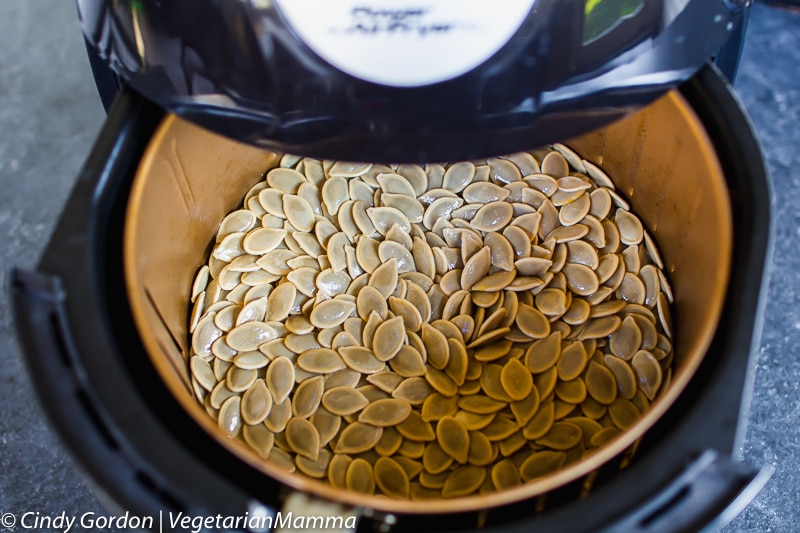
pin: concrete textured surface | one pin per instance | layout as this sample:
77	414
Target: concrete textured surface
50	114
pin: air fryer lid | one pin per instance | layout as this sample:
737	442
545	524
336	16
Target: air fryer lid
405	80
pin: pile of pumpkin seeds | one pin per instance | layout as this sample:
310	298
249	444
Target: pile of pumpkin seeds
431	331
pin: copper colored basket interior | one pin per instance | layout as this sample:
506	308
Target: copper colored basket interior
660	158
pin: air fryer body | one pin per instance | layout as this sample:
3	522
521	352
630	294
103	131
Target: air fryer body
144	453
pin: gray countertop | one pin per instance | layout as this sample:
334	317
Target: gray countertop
50	115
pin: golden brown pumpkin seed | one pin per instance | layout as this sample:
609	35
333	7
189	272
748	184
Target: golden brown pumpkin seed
571	392
383	413
626	340
664	316
623	375
316	468
453	438
389	338
604	436
320	361
383	218
256	403
630	227
500	429
307	397
574	212
648	373
623	413
278	416
343	401
540	423
543	354
532	322
572	362
505	475
457	361
481	451
337	470
220	393
481	405
391	478
545	382
601	384
259	438
436	406
458	176
236	222
413	390
411	449
581	279
562	436
361	359
541	464
303	438
331	313
239	379
416	429
441	382
230	419
463	480
357	438
407	312
360	477
524	409
516	380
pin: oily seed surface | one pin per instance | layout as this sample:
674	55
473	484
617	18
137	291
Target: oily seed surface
431	331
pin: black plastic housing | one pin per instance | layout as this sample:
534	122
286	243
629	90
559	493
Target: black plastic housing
241	69
144	454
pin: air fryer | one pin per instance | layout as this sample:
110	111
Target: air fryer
103	322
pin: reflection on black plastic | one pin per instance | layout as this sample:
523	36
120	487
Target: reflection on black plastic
602	16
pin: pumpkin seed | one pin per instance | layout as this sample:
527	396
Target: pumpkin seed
256	403
571	392
648	373
626	340
437	406
541	464
383	413
532	322
601	384
331	313
230	418
415	428
516	380
623	375
278	416
413	390
623	413
320	361
463	480
630	227
307	397
543	354
259	438
572	361
389	338
343	401
360	477
361	359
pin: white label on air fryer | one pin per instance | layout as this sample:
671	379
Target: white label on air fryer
405	43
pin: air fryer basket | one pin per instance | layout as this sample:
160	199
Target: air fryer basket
144	453
662	161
